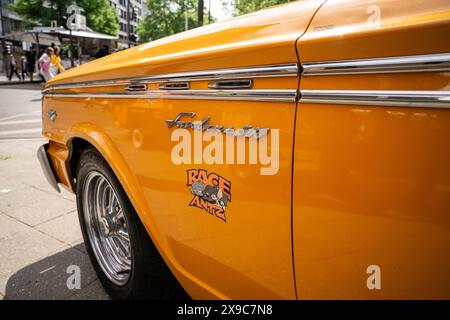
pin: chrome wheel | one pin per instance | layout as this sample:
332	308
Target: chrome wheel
107	228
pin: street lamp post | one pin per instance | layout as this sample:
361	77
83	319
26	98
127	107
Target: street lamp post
72	62
200	13
1	17
209	12
186	17
128	24
2	34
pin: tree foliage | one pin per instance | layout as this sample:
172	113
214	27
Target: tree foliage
247	6
100	16
167	17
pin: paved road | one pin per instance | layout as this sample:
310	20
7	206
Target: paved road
40	235
20	111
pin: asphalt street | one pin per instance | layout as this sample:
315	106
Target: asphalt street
20	111
40	237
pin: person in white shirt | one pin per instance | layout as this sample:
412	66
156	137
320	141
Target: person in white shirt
44	64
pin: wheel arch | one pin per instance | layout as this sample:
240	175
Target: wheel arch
84	136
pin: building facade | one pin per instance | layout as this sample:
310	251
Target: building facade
138	7
10	20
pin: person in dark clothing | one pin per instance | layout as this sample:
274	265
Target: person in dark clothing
31	61
13	67
102	52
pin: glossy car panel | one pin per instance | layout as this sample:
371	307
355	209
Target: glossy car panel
228	253
211	258
371	184
348	29
238	42
363	177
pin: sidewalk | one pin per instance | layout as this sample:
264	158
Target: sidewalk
40	235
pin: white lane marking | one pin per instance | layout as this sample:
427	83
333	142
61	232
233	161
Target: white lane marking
48	269
12	139
7	133
4	123
21	115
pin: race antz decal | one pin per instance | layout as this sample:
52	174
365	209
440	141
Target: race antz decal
212	192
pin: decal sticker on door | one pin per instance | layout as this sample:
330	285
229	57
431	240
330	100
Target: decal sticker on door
212	193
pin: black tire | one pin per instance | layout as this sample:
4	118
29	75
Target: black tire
150	278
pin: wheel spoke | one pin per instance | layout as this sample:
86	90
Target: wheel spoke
122	245
117	217
123	235
102	197
113	201
115	250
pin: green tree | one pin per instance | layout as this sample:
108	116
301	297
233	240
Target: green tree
100	16
167	17
247	6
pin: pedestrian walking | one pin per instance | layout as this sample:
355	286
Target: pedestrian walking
23	67
56	67
13	67
31	61
44	64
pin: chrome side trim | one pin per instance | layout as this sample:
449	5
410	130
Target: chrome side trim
281	70
418	63
420	99
240	95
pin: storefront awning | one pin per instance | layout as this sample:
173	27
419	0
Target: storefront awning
75	33
44	39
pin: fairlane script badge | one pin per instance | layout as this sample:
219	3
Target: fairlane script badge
212	192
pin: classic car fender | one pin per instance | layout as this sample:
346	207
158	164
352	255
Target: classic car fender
130	126
61	151
353	151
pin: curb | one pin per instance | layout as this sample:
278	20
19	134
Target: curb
15	82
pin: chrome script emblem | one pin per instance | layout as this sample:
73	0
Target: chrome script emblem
246	131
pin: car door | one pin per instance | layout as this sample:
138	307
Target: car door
371	177
235	74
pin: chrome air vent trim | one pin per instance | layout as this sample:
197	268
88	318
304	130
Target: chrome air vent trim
231	84
174	86
406	98
136	87
268	71
400	64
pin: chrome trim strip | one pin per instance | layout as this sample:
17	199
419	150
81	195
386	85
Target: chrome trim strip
244	95
281	70
419	99
418	63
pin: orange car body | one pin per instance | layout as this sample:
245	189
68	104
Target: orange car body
364	151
